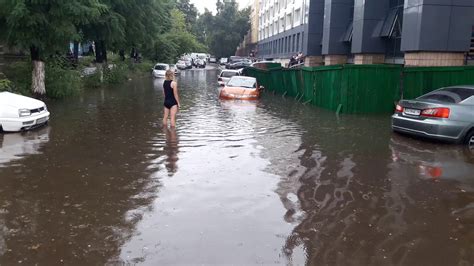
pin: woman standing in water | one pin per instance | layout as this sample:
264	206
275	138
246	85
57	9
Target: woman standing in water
171	99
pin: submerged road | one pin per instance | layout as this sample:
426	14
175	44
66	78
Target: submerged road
271	182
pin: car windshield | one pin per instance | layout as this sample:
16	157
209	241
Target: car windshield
449	95
242	82
228	74
160	67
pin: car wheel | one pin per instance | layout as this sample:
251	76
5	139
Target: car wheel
469	140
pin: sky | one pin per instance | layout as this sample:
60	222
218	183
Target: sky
211	4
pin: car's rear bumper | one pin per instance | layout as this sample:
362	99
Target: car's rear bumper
25	123
438	129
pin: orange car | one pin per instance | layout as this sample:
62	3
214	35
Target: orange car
241	88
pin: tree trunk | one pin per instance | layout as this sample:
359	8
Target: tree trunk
38	75
98	52
76	52
104	51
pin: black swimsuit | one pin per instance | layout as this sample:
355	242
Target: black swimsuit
170	100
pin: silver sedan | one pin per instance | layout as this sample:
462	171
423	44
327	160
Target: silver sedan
446	114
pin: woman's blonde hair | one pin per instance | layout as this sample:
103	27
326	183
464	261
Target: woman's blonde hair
169	75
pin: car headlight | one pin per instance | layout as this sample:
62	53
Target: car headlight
45	107
24	112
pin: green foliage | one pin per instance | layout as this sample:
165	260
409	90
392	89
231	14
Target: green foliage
141	68
86	61
92	81
61	80
19	73
169	46
6	85
45	25
190	13
224	31
115	74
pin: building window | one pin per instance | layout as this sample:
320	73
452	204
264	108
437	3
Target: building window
306	12
294	43
298	42
297	17
288	20
392	26
349	33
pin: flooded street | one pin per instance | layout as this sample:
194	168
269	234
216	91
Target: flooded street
268	182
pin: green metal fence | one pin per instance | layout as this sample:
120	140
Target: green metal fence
420	80
356	89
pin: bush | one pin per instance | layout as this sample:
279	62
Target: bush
19	73
61	81
86	61
115	74
92	81
6	85
144	67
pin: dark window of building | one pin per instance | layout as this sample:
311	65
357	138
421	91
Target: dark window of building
286	45
470	56
298	42
289	44
392	24
392	29
349	32
294	42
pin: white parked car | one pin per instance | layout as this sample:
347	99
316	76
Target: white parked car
159	71
223	61
226	75
18	113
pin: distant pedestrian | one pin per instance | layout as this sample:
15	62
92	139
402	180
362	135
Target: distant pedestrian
300	58
293	61
172	104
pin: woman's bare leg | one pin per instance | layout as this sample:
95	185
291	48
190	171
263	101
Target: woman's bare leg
173	112
166	113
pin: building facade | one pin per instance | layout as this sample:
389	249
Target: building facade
410	32
248	46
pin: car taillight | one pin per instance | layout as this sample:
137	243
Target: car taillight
399	108
436	112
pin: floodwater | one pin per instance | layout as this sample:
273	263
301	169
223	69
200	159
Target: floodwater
270	182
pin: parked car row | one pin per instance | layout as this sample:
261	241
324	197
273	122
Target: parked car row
236	62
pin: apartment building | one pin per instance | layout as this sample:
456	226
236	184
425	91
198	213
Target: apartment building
282	28
248	46
410	32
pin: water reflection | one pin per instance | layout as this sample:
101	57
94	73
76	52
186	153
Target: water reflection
20	145
171	151
386	204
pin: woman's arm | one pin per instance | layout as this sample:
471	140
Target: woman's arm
175	92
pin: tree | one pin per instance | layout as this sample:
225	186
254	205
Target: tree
224	31
190	12
44	28
177	41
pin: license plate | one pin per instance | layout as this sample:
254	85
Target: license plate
41	120
415	112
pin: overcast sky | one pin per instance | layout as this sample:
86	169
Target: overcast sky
211	4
